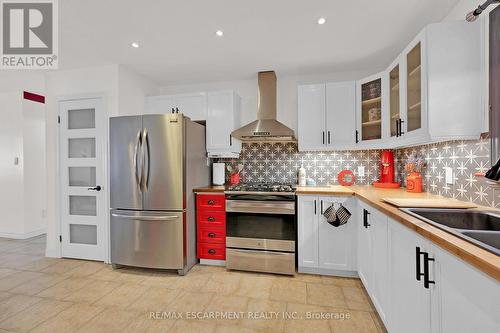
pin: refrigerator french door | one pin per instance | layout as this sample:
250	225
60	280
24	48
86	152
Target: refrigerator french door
147	191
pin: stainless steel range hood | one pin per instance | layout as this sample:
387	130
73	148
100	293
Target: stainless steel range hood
266	127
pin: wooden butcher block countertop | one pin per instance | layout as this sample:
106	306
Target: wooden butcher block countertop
484	260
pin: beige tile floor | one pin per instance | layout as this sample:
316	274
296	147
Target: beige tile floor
39	294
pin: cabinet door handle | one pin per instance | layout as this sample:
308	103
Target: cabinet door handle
401	121
418	253
328	137
322	207
365	218
211	218
323	137
314	207
427	259
211	202
357	136
211	251
397	128
211	234
230	140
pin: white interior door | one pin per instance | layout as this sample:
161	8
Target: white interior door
83	200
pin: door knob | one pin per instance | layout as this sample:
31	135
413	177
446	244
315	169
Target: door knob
97	188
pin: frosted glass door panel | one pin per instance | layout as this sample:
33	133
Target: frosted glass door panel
414	89
81	118
82	205
83	234
81	148
82	176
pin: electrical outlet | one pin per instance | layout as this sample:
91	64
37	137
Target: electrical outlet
361	171
449	175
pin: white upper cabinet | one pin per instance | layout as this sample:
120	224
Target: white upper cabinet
311	117
371	110
326	116
192	105
441	85
341	114
434	91
223	118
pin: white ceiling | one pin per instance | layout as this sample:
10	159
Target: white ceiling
179	45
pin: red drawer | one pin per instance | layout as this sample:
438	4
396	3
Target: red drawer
212	251
208	218
212	235
211	201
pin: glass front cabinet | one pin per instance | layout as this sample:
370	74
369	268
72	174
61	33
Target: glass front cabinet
407	120
371	94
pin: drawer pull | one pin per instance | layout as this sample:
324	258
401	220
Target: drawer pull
211	234
211	202
211	218
211	251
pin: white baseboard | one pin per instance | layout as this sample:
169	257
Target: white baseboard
15	235
331	272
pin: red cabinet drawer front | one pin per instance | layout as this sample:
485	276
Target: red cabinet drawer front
211	201
211	218
212	251
212	235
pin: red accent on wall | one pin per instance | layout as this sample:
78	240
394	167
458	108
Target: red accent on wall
34	97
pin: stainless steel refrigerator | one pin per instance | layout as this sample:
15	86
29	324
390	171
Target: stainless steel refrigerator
155	162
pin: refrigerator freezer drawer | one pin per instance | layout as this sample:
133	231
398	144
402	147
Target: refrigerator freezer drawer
260	261
147	239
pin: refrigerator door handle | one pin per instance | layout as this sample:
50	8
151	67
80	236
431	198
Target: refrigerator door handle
146	218
138	144
144	158
145	163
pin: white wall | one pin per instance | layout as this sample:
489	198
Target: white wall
132	88
11	176
19	80
247	89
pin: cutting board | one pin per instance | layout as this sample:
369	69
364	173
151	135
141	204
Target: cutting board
428	203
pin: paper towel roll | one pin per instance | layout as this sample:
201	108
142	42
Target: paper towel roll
218	173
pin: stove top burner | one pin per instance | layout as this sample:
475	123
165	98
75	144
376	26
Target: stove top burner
262	187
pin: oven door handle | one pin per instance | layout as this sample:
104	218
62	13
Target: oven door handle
263	252
262	207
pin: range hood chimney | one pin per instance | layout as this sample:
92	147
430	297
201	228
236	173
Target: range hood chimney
266	127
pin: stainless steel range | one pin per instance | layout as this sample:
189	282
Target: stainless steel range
261	228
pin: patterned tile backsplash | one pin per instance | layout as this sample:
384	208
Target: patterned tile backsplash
466	158
279	162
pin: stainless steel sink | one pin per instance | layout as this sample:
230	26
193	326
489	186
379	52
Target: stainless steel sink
479	227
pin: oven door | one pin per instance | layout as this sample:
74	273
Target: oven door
261	225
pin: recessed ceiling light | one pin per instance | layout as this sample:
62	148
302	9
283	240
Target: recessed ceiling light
321	20
219	33
135	45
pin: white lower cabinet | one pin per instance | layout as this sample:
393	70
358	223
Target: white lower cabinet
323	248
467	299
415	285
410	310
373	266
